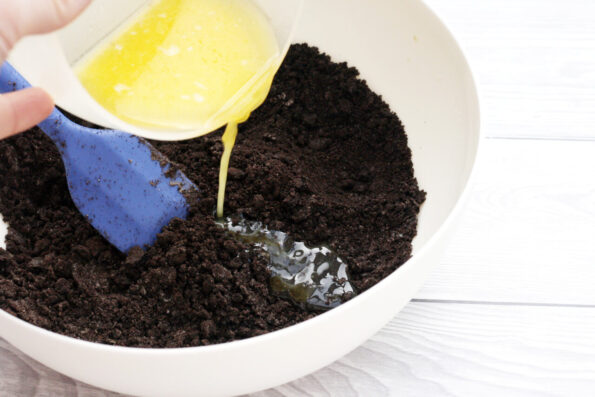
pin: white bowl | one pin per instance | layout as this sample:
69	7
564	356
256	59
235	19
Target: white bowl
408	56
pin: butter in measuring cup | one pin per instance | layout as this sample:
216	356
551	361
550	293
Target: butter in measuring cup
186	64
180	64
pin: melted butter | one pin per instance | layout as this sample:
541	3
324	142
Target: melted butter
180	63
315	277
186	64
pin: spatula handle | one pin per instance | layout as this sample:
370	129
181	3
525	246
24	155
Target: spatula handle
11	80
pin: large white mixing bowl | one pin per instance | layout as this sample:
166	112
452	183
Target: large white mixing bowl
408	56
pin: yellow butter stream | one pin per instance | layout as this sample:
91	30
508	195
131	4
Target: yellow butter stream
186	64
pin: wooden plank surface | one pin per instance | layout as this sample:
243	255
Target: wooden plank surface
466	350
527	234
535	62
21	376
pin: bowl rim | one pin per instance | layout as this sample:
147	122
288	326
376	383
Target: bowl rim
151	352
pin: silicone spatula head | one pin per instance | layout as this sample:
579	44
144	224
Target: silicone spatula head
125	188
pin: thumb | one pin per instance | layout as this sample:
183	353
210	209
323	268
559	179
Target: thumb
19	18
21	110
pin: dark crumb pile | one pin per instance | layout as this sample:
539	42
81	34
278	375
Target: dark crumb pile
324	159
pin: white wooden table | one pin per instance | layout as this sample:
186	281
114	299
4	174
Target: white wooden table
510	311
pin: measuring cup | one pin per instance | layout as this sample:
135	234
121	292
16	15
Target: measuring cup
47	61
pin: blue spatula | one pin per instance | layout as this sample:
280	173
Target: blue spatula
125	188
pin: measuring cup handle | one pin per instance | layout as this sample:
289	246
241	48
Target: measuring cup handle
11	80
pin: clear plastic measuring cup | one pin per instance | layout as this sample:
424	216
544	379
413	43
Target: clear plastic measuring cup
47	61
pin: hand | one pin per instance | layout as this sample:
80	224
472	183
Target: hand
22	110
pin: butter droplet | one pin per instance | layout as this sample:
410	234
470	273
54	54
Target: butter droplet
200	85
170	51
121	88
